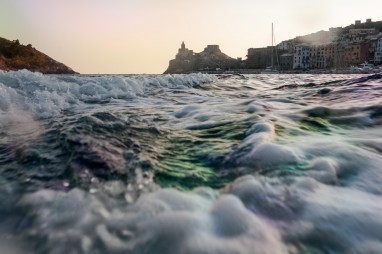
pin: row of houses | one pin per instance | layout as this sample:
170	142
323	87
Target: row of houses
325	49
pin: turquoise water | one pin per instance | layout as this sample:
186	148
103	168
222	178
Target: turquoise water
190	163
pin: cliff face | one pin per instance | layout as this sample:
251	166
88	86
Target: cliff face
14	56
210	59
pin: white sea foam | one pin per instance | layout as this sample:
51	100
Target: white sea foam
320	191
48	95
166	221
251	215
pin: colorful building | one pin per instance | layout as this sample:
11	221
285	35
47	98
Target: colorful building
378	51
301	56
337	48
318	57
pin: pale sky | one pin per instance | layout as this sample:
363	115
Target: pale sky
141	36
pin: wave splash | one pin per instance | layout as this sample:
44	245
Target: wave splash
294	170
47	96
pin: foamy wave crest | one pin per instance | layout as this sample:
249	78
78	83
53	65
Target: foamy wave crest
251	215
49	95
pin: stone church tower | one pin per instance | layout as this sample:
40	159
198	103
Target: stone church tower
184	53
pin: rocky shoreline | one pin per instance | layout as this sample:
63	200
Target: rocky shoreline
15	56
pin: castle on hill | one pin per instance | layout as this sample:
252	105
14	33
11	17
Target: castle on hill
210	59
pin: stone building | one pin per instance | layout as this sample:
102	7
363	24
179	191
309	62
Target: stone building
260	58
286	61
184	53
360	34
212	49
286	46
183	62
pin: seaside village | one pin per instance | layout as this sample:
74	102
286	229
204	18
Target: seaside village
356	48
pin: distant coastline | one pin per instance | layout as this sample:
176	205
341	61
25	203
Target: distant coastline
356	48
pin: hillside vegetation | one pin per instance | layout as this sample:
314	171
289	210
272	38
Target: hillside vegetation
14	56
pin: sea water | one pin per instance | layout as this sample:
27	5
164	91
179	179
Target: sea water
190	163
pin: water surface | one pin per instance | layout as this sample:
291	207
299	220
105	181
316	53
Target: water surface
190	163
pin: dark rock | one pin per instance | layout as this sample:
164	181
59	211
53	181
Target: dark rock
14	56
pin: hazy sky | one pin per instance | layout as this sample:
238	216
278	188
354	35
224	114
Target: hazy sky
141	36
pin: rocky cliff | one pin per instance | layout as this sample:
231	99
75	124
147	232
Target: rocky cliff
14	56
210	59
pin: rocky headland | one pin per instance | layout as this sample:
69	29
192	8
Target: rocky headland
14	56
210	59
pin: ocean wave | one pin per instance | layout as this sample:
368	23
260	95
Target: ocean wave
121	164
48	95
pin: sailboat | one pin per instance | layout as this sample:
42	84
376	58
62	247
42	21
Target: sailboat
271	69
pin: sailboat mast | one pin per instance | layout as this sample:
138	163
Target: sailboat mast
272	48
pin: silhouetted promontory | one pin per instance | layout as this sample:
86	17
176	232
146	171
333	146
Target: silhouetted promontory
210	59
14	56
